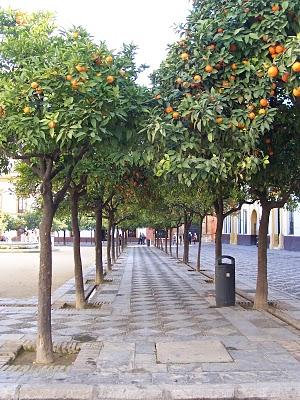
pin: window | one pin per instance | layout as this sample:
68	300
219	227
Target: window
21	205
291	223
245	221
227	225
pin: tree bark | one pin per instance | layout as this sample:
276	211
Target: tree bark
108	249
44	348
166	241
177	239
186	246
261	294
79	286
113	243
98	244
170	240
219	230
198	265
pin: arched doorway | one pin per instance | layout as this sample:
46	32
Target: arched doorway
254	227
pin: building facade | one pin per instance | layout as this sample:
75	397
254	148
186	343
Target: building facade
242	227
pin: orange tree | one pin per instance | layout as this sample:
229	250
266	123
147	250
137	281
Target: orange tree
61	95
213	89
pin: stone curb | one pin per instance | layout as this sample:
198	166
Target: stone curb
259	391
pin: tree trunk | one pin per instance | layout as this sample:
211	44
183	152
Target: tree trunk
177	239
113	243
166	241
108	249
44	347
261	294
198	265
79	286
170	240
98	244
126	238
186	247
218	239
123	240
64	237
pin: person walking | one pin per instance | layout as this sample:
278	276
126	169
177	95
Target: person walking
195	238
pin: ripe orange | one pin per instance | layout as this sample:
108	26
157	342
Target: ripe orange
233	66
264	102
296	67
184	56
208	69
220	30
52	124
175	115
109	59
69	77
110	79
233	48
296	91
169	110
26	110
219	120
262	111
179	81
272	50
251	115
34	85
273	71
279	49
275	7
241	125
197	78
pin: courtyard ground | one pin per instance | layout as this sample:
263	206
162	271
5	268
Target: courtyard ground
156	336
19	271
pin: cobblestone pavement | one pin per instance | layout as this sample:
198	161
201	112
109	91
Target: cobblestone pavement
153	311
283	265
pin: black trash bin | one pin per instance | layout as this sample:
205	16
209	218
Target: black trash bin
225	282
148	242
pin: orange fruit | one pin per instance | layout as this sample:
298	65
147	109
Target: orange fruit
233	66
69	77
261	111
26	110
273	71
169	110
109	59
250	107
275	7
110	79
296	67
34	85
39	90
52	124
296	91
208	69
264	102
279	49
241	125
197	78
219	120
184	56
179	81
175	115
285	77
272	50
220	30
158	96
251	115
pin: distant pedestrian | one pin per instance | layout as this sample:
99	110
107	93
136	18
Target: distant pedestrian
195	238
190	237
180	240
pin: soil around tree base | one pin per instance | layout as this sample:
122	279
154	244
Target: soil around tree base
26	357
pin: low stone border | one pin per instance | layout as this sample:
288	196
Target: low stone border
260	391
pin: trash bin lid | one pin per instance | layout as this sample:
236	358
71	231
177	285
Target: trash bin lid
219	259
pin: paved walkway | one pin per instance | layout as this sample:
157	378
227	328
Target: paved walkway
283	265
156	336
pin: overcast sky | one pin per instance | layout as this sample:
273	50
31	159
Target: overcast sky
147	23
